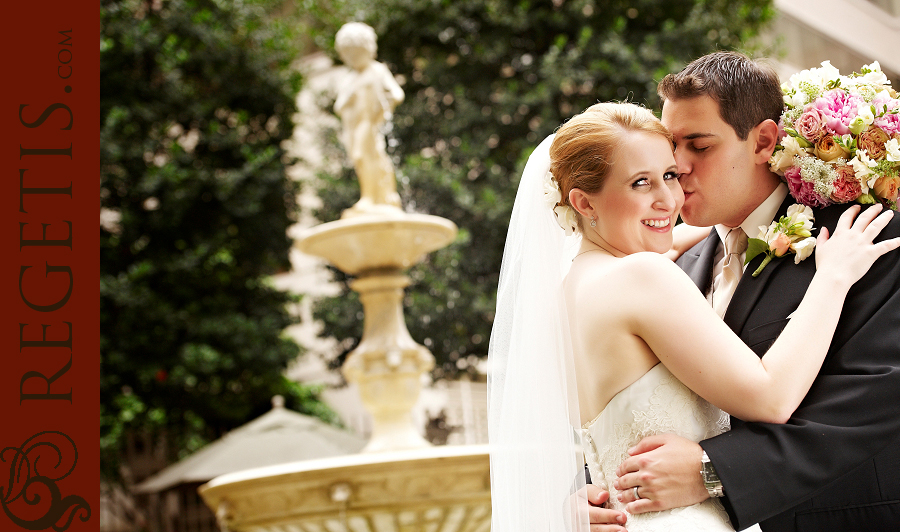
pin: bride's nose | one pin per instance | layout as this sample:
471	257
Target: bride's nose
665	199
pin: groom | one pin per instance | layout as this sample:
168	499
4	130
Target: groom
835	465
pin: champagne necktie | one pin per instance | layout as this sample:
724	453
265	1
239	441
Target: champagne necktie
735	245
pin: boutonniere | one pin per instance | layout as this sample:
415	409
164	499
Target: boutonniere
790	234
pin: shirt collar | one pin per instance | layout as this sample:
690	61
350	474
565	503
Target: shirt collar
761	216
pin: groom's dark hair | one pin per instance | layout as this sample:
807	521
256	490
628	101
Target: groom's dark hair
747	91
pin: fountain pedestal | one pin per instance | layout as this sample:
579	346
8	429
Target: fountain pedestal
388	365
399	483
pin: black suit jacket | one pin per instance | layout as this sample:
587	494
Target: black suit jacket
836	464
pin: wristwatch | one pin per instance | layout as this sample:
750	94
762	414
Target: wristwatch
710	478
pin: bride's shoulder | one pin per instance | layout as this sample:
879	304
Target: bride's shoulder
645	269
647	264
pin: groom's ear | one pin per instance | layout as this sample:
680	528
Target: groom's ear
579	200
765	138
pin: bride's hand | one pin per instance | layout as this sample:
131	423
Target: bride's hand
848	254
601	518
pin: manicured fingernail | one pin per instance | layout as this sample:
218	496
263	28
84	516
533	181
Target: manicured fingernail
619	496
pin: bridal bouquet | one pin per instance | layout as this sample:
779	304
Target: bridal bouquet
840	137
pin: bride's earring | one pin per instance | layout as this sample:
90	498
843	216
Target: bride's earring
593	222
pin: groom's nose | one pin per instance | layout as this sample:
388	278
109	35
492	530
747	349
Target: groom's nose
683	160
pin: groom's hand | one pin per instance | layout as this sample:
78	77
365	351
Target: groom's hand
666	469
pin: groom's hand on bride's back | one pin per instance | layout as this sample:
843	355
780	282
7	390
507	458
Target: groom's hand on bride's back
602	519
666	469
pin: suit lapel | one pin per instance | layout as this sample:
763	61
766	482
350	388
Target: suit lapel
699	264
750	289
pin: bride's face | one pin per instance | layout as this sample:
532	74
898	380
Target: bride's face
638	205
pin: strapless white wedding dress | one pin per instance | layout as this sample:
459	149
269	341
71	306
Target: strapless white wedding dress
656	403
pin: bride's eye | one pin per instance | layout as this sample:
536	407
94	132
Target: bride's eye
671	175
640	183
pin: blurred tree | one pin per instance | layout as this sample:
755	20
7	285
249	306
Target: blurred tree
485	81
196	98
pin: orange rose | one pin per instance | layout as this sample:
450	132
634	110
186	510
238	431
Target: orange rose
886	187
828	150
872	140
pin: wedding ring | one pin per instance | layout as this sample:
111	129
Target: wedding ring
636	495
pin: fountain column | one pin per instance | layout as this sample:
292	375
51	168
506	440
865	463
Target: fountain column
388	365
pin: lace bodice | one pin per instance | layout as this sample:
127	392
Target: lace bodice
656	403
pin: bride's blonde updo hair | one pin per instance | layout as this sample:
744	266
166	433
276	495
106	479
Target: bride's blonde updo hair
582	152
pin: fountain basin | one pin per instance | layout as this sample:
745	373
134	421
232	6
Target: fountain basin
390	241
436	489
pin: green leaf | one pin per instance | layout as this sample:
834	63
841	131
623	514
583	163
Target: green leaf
755	246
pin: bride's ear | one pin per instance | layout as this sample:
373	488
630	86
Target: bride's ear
581	203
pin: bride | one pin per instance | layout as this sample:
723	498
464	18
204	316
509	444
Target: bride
600	339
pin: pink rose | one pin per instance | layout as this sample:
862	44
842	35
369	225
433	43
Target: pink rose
839	109
890	123
804	192
780	244
846	186
811	125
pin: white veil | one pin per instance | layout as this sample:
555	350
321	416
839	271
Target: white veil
536	459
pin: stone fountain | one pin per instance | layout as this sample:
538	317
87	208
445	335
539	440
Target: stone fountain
399	482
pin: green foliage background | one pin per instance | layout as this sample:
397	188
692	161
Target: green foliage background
485	81
196	97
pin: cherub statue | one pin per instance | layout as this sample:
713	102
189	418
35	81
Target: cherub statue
365	103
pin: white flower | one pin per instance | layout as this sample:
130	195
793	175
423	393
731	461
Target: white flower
862	166
827	72
893	150
552	195
780	161
801	214
866	114
794	98
566	218
874	75
803	248
792	146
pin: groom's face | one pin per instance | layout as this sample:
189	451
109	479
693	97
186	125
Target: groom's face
716	166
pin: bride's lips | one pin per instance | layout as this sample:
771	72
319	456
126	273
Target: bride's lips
660	225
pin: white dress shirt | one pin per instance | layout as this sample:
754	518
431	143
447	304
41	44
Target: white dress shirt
761	216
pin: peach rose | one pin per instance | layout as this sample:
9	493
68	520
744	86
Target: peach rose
780	244
827	149
886	187
872	140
